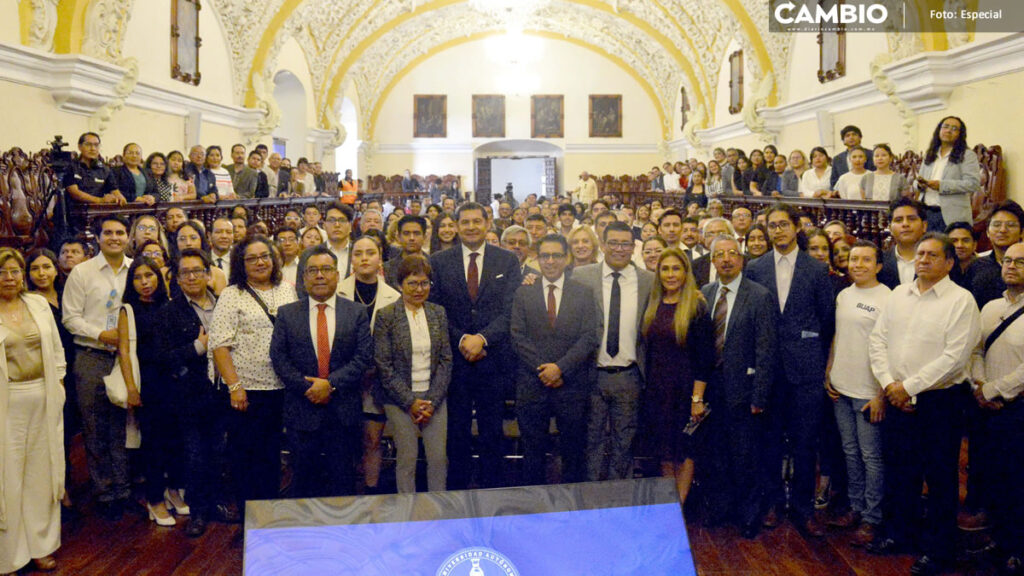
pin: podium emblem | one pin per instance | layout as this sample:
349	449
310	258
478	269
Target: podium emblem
477	561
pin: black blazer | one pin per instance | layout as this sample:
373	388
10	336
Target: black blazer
745	375
293	354
489	314
572	344
126	183
392	340
890	272
702	269
805	328
179	327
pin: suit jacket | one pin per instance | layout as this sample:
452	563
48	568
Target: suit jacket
590	276
177	335
293	353
126	183
489	314
806	326
702	269
890	272
957	183
573	342
393	353
748	358
300	269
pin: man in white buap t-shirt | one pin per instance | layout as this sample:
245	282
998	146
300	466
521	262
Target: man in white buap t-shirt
858	399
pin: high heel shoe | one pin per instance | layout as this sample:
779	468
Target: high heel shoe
175	502
46	563
168	521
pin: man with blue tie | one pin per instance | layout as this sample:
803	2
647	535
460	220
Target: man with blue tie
804	298
475	283
321	349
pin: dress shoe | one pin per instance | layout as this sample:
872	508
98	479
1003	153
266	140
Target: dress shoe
167	520
228	514
175	503
814	527
46	563
196	526
846	520
864	535
771	519
973	522
926	566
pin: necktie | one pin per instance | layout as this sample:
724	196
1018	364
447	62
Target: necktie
552	306
783	280
323	345
614	311
220	263
721	313
473	277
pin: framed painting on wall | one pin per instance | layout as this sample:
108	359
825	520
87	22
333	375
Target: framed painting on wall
430	118
547	116
488	116
185	41
606	115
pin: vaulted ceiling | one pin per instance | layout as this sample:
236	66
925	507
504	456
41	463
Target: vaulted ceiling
368	45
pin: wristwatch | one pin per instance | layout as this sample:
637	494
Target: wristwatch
697	399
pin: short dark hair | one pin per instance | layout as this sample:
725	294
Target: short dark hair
556	238
670	212
695	220
566	208
947	244
238	145
320	250
238	276
98	226
81	139
962	226
467	206
869	244
602	202
285	228
255	153
1010	207
261	147
343	208
412	219
604	216
536	218
792	212
919	207
615	227
193	253
413	264
850	128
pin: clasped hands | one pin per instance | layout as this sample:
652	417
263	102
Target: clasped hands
897	395
319	391
985	404
472	347
550	375
421	411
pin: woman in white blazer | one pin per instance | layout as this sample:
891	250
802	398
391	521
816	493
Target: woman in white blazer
32	367
366	286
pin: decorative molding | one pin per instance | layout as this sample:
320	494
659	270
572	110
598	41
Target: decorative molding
44	24
611	148
417	147
322	141
105	24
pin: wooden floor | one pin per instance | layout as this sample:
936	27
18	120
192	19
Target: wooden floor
136	546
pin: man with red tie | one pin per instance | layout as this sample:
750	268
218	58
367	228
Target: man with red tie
320	349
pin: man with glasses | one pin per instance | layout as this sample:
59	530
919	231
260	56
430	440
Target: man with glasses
714	228
92	302
997	382
985	274
287	241
517	240
621	291
805	307
740	385
321	349
920	349
555	333
90	181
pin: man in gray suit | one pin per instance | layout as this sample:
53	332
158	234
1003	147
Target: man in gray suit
555	332
621	291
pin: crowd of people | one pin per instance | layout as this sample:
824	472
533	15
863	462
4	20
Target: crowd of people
841	376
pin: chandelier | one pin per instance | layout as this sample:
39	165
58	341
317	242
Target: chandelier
512	13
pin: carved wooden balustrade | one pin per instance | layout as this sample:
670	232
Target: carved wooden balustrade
26	183
391	186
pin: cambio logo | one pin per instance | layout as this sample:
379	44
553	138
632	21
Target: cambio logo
836	14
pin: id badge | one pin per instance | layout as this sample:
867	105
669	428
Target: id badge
112	321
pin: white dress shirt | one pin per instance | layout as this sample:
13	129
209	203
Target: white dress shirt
931	197
558	292
730	299
420	334
290	272
342	253
906	268
92	299
1002	368
925	339
479	261
784	266
332	320
628	287
225	260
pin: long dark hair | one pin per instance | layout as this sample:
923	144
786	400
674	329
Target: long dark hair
131	295
194	225
959	147
435	238
32	256
238	277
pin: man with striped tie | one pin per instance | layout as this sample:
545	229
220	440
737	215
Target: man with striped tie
743	316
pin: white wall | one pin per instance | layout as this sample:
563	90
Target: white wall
525	174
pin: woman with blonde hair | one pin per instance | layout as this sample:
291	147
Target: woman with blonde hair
31	423
679	334
583	247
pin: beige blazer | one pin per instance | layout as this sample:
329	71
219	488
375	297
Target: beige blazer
385	295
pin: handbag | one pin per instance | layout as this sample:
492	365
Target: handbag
117	388
263	305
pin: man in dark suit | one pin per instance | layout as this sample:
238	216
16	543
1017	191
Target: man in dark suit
744	319
851	136
322	377
804	297
183	337
555	332
908	221
475	283
621	291
713	228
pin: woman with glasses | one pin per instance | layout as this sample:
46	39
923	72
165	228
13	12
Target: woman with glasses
239	345
145	228
31	423
950	175
679	334
651	252
414	363
192	235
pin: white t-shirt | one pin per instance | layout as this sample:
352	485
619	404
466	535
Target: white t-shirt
810	183
848	186
857	309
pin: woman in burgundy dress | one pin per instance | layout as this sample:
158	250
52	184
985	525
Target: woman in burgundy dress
679	334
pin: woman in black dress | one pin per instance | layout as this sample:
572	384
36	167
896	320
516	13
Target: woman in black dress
679	334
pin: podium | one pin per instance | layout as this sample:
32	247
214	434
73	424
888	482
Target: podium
595	528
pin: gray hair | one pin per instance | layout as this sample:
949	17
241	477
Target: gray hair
514	229
721	238
728	224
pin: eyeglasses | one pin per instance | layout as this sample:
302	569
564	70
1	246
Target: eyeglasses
153	255
333	221
314	271
552	256
413	285
782	225
265	257
724	253
1003	225
11	273
619	245
951	127
1017	263
192	272
146	228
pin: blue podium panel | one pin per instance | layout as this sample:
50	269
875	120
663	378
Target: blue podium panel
600	528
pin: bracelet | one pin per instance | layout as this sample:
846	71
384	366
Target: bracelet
232	388
697	399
